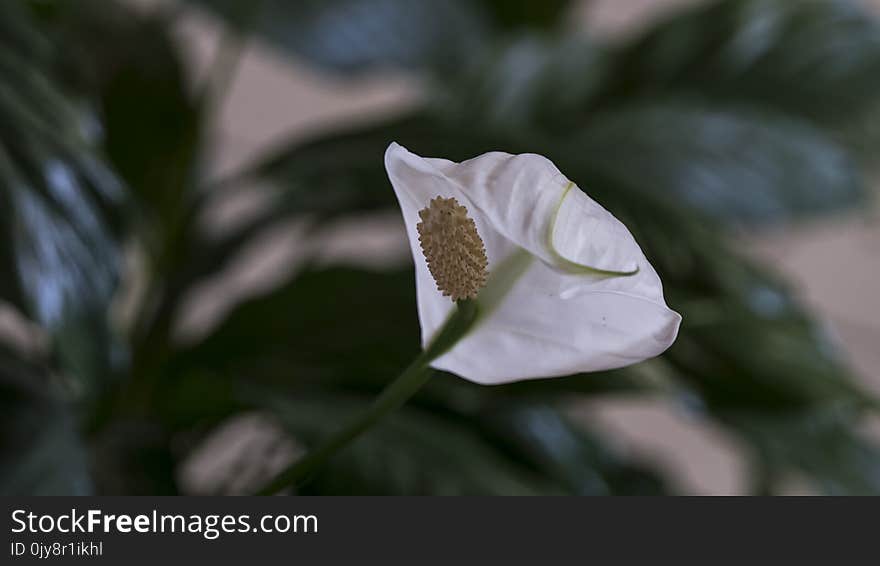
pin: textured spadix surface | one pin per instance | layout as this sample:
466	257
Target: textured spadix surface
452	248
552	320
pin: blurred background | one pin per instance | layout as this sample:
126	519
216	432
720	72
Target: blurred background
203	270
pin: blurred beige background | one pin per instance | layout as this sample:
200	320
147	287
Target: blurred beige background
833	264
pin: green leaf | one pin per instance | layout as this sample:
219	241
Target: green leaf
728	164
342	332
337	329
337	175
40	451
519	14
57	197
540	436
351	329
342	172
356	35
743	161
530	82
733	164
822	446
127	63
819	58
344	321
408	453
352	35
531	438
348	164
761	362
134	456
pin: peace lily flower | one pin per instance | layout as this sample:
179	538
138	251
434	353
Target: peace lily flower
560	285
519	275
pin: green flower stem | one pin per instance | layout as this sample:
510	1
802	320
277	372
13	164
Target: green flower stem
394	396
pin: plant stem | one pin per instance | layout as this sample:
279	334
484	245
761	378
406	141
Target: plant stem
392	397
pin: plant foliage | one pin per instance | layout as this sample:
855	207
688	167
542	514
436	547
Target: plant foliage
737	113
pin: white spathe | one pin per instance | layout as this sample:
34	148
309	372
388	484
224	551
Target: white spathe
553	321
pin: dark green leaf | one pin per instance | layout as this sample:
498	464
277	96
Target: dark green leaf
409	452
40	451
822	446
535	444
354	330
742	161
527	83
514	14
818	58
348	165
337	175
732	164
352	35
56	193
541	436
151	122
349	332
357	35
133	456
126	62
321	325
763	361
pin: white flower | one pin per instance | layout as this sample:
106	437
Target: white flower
568	290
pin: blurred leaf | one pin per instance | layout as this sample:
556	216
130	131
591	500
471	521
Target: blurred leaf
56	193
346	332
530	82
128	64
328	323
133	456
350	329
763	362
408	453
749	355
355	35
821	445
343	172
339	174
151	125
740	161
348	165
10	286
736	165
817	58
515	14
731	165
541	436
40	452
351	35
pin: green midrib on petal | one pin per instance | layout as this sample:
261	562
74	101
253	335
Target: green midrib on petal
567	264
